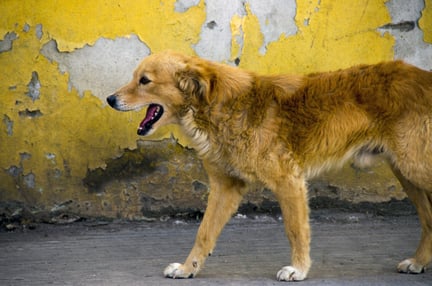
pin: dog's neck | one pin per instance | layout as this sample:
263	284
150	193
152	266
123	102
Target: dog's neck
203	122
197	134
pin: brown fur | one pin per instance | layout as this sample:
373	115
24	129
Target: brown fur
282	130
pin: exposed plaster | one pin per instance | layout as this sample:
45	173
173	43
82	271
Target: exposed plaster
215	37
14	171
8	124
30	180
410	45
30	113
101	68
39	32
51	157
25	156
276	18
34	86
7	42
26	28
182	6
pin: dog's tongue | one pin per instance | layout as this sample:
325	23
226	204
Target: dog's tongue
151	110
152	115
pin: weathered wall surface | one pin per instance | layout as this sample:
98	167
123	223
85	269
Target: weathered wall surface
63	150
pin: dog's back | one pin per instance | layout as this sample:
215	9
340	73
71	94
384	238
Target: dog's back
386	106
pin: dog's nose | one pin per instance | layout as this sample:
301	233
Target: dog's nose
112	99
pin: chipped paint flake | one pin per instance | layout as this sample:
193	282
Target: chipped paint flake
8	124
7	42
30	180
101	68
215	37
182	6
326	43
275	20
237	38
30	113
410	44
425	21
34	86
73	24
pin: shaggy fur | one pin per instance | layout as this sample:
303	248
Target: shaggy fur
282	130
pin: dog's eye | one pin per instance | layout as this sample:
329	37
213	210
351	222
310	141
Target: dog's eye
144	80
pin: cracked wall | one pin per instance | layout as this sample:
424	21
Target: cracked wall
63	149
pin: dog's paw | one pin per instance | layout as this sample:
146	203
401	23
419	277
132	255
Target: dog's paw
410	266
177	271
290	273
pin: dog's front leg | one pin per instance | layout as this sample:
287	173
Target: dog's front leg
224	199
292	198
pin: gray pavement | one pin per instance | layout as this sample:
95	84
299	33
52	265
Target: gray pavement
347	249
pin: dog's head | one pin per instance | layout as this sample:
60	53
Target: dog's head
166	83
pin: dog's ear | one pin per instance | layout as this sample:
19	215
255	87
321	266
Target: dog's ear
194	82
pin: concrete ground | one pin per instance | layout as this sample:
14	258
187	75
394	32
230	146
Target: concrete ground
347	249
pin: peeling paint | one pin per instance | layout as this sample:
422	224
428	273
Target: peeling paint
29	180
409	45
236	24
275	20
17	172
25	156
182	6
9	125
151	177
7	42
425	21
102	67
50	156
38	31
131	164
327	42
34	86
77	23
30	113
59	140
14	171
26	28
215	36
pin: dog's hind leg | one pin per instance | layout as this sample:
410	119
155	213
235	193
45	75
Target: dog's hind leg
292	197
224	198
422	200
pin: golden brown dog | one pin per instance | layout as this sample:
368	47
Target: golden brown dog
281	131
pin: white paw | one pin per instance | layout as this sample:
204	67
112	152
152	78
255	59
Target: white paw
290	273
410	266
175	271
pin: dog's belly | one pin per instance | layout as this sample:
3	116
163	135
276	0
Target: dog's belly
245	174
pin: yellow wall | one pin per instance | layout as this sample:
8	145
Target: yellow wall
426	21
332	35
48	145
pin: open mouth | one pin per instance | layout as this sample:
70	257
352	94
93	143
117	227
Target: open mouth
154	113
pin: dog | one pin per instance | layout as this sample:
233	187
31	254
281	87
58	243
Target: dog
281	130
